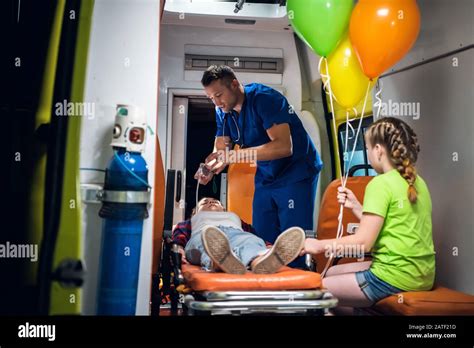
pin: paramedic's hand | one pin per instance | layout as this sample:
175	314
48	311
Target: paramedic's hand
203	179
216	162
183	255
312	246
348	198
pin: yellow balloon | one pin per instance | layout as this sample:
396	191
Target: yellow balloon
348	82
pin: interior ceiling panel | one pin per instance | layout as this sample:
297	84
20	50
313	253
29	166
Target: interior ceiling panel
253	14
282	2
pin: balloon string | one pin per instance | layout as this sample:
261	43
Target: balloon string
340	229
349	122
352	130
328	90
346	140
346	174
378	103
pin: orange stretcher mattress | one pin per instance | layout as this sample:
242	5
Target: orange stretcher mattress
286	279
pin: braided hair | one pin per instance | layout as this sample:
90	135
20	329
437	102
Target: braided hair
401	144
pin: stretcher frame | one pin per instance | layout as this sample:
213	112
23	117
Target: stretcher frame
173	287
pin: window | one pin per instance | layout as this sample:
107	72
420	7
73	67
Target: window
360	163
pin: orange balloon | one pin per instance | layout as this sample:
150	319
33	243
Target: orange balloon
382	32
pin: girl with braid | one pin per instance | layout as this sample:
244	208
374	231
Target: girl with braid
395	224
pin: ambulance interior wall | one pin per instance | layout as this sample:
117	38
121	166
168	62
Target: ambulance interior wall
445	126
122	69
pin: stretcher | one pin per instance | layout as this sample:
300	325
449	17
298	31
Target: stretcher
289	291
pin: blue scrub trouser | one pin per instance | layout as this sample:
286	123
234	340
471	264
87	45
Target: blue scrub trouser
276	209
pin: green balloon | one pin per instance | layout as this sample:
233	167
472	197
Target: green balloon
320	23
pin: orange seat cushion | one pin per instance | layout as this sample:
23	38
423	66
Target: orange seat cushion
439	301
240	190
285	279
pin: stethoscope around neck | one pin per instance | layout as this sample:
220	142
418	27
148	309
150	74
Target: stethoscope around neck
236	126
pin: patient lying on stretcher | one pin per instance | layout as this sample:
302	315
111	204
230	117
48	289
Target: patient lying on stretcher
220	240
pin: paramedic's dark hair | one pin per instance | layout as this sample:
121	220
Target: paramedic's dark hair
402	147
215	72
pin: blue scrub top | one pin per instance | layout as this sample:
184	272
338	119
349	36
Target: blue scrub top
264	107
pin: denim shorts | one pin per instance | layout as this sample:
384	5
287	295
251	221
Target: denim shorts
374	288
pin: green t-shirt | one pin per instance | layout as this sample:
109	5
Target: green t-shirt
403	254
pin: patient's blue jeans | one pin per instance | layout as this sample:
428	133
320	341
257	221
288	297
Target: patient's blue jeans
245	245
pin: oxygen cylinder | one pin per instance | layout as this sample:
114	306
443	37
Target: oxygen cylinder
123	210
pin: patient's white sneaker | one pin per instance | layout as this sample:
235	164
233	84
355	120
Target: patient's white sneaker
287	247
218	248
